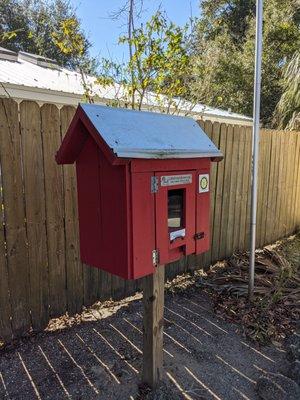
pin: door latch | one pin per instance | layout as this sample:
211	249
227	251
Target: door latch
199	235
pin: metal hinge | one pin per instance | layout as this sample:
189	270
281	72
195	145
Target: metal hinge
154	184
155	257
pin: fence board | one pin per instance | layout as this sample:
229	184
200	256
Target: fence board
54	195
287	168
260	187
74	271
91	280
246	167
218	197
265	173
285	185
131	287
226	192
105	287
277	139
5	305
215	137
298	184
292	180
201	258
286	204
278	186
232	191
30	121
14	215
285	200
296	216
248	206
293	183
117	287
261	191
239	186
270	192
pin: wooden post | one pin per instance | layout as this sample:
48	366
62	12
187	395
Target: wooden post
153	322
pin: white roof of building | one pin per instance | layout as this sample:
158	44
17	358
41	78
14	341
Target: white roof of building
32	77
144	134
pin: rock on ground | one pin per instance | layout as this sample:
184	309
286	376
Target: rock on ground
277	387
294	371
293	347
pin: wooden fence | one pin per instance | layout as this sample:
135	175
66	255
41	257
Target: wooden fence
41	275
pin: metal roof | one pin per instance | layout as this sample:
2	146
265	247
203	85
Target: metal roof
26	75
143	134
6	54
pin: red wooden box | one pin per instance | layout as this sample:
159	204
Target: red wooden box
143	187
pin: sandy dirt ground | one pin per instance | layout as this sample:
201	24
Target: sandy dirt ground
204	356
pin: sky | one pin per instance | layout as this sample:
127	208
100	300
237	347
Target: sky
103	31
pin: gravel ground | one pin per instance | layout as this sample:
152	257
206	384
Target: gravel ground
204	357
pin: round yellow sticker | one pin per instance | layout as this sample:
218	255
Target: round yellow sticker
204	183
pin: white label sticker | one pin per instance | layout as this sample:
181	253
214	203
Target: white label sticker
203	183
177	234
172	180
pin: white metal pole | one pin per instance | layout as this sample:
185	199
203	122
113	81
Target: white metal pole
255	140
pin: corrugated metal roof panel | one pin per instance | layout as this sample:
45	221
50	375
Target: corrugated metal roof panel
9	55
27	74
142	134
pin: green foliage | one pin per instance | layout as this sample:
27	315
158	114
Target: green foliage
223	53
71	42
68	38
287	113
226	16
159	64
7	36
35	26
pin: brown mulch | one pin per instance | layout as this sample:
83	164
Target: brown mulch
275	310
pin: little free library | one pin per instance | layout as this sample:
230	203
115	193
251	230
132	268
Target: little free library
143	200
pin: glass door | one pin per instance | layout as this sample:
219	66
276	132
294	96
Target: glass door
175	214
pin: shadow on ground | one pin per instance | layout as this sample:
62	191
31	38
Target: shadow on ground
204	357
